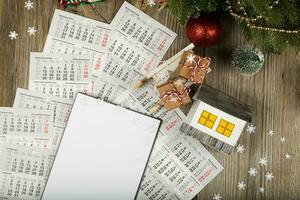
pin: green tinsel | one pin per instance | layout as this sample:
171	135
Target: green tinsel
248	60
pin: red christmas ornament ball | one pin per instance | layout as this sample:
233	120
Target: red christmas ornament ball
203	31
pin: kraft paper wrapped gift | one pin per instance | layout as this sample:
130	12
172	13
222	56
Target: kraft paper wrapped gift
174	94
193	67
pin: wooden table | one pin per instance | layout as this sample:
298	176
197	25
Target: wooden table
274	92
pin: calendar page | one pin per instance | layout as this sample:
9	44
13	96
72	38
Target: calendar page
179	169
138	43
73	34
25	160
23	171
61	76
35	100
140	29
31	128
16	186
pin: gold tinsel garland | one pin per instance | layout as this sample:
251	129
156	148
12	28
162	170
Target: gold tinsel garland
251	21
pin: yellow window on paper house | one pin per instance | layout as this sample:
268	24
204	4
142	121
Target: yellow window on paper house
207	119
225	128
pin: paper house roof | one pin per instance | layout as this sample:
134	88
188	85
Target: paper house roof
224	102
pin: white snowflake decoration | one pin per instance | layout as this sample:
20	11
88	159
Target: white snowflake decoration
190	58
241	185
282	139
151	3
261	189
251	129
31	31
29	5
269	176
13	35
240	148
270	132
217	196
287	156
263	161
252	172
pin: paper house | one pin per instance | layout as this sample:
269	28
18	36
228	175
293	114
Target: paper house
216	119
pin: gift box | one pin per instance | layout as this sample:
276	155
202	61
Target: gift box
174	94
193	67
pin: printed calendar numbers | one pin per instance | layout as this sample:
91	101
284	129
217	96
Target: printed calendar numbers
143	29
61	108
79	30
18	186
53	67
14	122
76	35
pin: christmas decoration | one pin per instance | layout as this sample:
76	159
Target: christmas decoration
270	132
261	189
73	3
273	24
241	185
251	129
240	148
31	31
203	31
263	161
173	94
151	3
214	121
269	176
184	9
252	172
193	67
29	5
13	35
282	139
248	60
67	3
217	196
287	156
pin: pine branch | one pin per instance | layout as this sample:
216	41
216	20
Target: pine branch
184	9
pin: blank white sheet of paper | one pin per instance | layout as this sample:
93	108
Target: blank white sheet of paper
103	153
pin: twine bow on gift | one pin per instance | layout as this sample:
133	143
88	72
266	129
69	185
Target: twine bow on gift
197	67
169	96
175	94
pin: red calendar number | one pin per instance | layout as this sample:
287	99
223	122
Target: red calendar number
105	40
85	71
148	65
171	125
162	45
98	63
46	128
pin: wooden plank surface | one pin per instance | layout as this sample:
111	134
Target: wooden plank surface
274	92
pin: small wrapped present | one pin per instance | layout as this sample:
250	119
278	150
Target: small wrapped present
173	94
193	67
